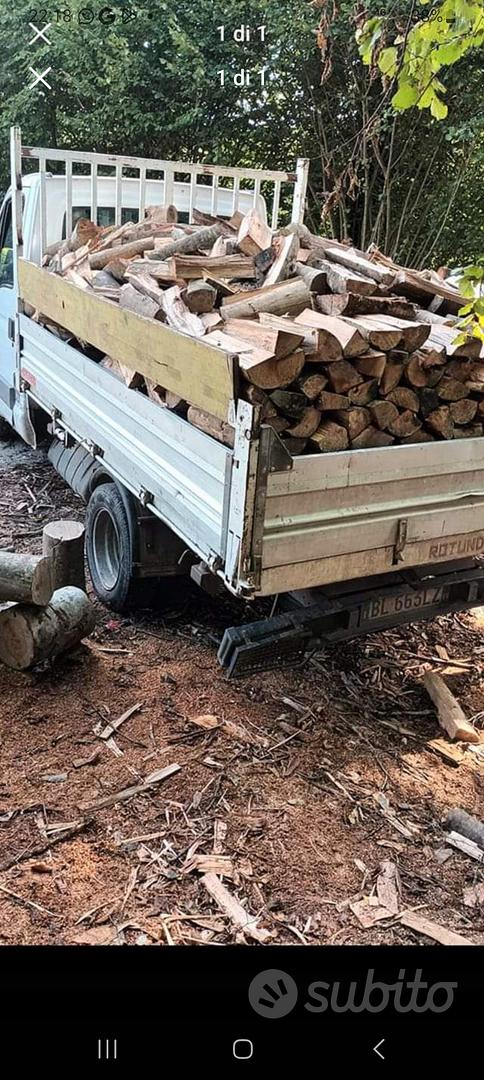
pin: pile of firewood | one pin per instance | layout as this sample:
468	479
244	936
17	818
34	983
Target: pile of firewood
339	348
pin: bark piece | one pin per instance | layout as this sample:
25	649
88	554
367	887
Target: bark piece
465	824
26	578
329	437
342	376
63	542
29	634
450	715
211	425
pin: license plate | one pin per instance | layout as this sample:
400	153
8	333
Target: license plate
381	607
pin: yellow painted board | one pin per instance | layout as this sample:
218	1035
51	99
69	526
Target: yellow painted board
199	373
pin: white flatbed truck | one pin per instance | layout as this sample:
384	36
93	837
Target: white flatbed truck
348	542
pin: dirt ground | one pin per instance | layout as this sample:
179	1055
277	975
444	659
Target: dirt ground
294	786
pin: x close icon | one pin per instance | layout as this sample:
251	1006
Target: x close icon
40	33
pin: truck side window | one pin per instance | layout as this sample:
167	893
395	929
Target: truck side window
6	246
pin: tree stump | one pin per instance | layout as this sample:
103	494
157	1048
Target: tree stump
63	541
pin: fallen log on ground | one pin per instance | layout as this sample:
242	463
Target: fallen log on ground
30	634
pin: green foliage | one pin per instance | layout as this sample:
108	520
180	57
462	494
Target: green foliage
471	284
420	51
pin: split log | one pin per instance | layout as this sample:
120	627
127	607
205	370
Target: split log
342	281
199	240
178	316
451	389
155	393
63	542
99	259
311	342
413	334
280	341
254	235
278	423
380	337
258	397
420	436
371	438
259	366
364	393
132	378
145	284
472	431
290	403
294	446
460	369
191	267
287	298
175	403
445	337
211	425
350	303
405	424
117	269
350	258
429	401
342	376
328	402
329	437
315	280
341	339
355	420
310	384
391	377
132	299
200	297
26	577
222	288
372	363
463	411
164	271
306	426
404	398
415	373
440	422
450	715
383	413
29	634
283	265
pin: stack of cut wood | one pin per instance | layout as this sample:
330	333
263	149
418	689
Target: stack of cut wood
340	349
43	611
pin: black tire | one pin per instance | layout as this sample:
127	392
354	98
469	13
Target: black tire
110	547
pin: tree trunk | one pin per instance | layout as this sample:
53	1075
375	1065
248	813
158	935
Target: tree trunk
63	541
29	634
26	577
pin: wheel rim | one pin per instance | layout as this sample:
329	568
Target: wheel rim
105	549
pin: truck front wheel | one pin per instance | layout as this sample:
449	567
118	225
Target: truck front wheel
109	547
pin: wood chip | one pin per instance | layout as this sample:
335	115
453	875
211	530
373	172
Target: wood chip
431	929
238	915
115	724
128	793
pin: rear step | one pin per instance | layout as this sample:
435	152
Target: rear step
339	612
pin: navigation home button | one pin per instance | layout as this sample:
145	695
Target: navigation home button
242	1049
